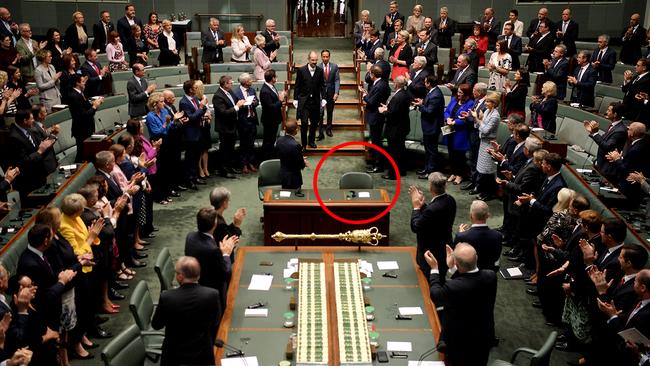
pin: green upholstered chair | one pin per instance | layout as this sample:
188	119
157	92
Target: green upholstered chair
356	180
142	308
164	269
540	357
268	176
126	349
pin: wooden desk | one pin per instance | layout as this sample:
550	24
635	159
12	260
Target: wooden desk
267	339
55	181
93	146
551	144
303	215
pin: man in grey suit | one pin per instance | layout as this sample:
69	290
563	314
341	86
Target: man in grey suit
213	42
464	73
332	86
138	90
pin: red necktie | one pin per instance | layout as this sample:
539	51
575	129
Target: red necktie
96	69
195	105
327	71
633	312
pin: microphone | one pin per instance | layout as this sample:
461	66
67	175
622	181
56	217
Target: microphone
431	351
233	351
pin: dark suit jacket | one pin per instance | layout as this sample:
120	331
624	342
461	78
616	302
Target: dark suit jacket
615	138
547	109
468	299
431	54
50	163
243	111
584	89
432	112
515	100
190	315
634	107
377	94
225	115
541	49
631	47
432	224
474	60
397	116
385	70
611	264
215	269
212	52
291	162
371	48
416	88
99	43
514	50
515	161
569	38
137	96
487	243
271	108
528	180
310	90
83	116
635	159
388	29
444	35
607	64
534	23
167	57
94	84
72	39
192	128
114	191
546	198
23	154
124	29
558	73
270	44
623	296
333	80
468	77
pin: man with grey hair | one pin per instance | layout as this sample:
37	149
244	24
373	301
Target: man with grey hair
271	38
557	70
397	125
213	42
468	299
445	27
464	74
604	59
584	81
247	122
220	200
358	26
190	315
415	78
8	26
388	25
432	222
486	241
27	48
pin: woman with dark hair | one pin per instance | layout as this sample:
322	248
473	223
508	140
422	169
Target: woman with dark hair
457	140
499	65
115	53
70	63
137	47
76	36
515	95
481	39
56	47
8	54
152	30
16	82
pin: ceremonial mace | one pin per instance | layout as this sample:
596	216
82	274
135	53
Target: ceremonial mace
370	236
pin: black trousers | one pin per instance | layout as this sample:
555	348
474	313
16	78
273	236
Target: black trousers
79	141
247	133
227	148
485	183
474	144
192	156
396	150
330	111
268	144
430	143
458	162
309	119
377	138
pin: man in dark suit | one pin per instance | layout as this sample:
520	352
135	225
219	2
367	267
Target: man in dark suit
557	70
213	42
416	77
372	46
479	92
425	47
26	151
247	126
632	86
310	95
514	44
464	74
101	31
376	95
124	23
384	65
172	147
634	37
226	110
291	160
432	223
213	257
8	26
486	242
540	48
271	101
388	25
271	37
83	114
194	110
432	118
533	26
512	158
632	159
138	90
613	139
397	125
604	59
95	73
491	26
468	299
567	32
190	315
446	27
584	81
332	86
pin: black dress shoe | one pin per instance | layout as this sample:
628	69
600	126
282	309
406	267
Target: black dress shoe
193	187
389	177
148	236
312	145
174	194
114	295
100	320
99	332
531	291
537	304
181	188
138	255
119	285
329	132
485	197
473	191
375	170
468	186
200	182
421	171
227	175
136	264
154	229
234	170
530	283
320	137
423	176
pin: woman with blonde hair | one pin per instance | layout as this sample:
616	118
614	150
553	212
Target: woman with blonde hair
47	80
488	124
401	55
261	60
240	45
415	22
168	44
206	139
544	108
76	35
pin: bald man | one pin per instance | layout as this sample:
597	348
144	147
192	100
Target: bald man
310	95
533	27
7	26
190	315
633	158
634	36
486	241
468	299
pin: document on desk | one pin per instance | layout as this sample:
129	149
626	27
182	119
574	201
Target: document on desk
287	272
260	282
426	363
285	194
256	313
364	194
366	267
387	265
249	100
239	361
410	310
399	346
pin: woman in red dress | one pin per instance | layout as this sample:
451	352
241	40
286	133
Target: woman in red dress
481	43
401	56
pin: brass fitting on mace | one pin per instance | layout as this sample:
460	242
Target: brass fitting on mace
370	236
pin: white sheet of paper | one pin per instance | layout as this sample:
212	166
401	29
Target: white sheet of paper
60	106
293	261
387	265
366	267
256	313
514	271
632	335
583	170
288	272
249	100
537	129
285	194
69	167
608	189
399	346
410	310
364	194
239	361
260	282
426	363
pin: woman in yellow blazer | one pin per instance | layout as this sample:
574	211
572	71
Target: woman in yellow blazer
81	238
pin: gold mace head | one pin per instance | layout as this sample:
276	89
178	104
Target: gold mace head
370	236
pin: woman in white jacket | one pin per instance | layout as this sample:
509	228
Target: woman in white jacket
240	45
260	58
